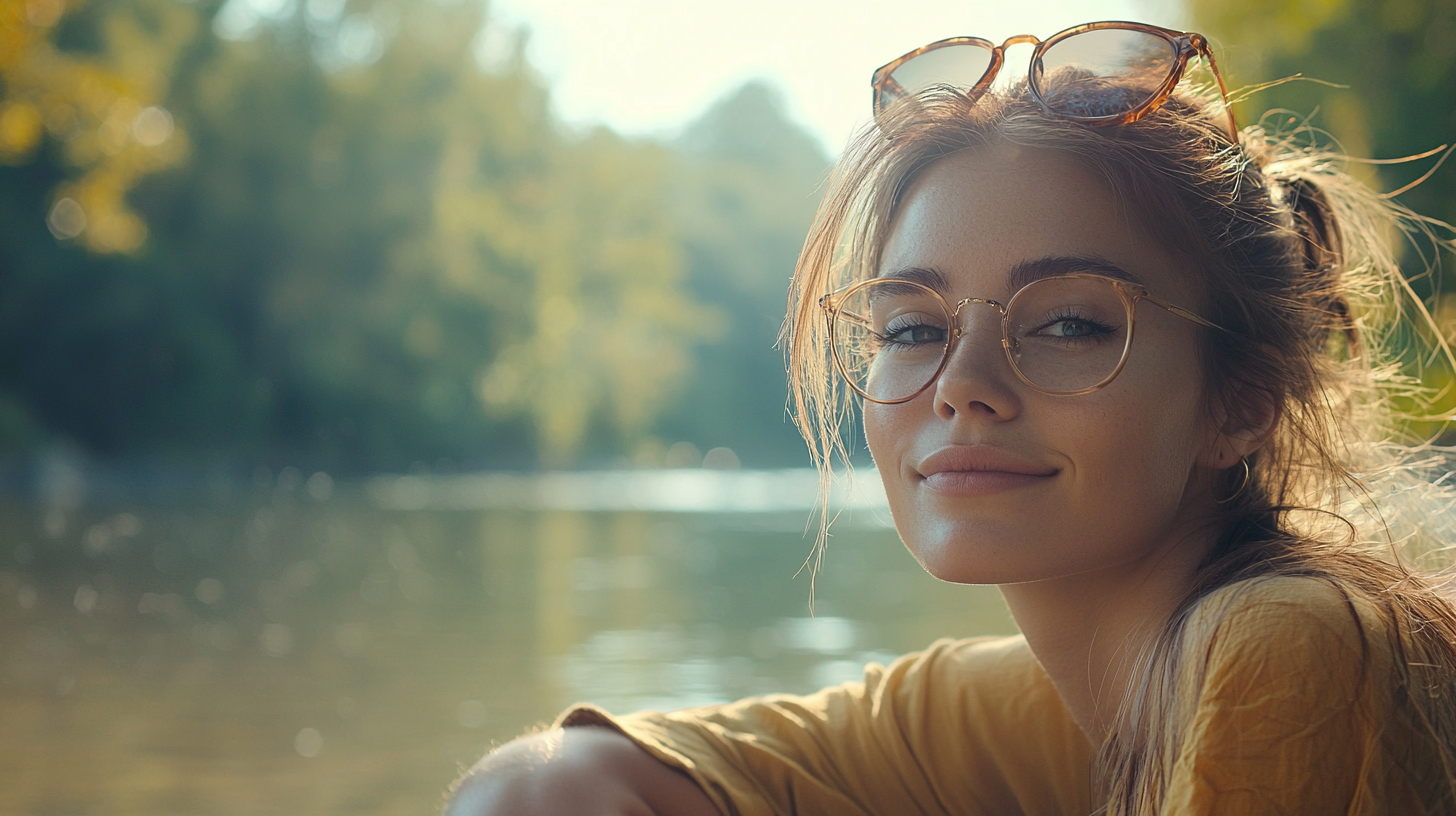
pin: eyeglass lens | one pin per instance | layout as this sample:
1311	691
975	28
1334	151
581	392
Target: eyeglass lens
1135	62
1065	334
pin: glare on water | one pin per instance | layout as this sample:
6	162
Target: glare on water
349	650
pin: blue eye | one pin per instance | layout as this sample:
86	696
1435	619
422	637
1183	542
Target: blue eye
1076	328
1071	327
913	330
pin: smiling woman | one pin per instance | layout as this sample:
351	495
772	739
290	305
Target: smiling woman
973	459
1178	466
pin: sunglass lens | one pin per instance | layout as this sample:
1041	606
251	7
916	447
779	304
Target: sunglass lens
958	67
1104	72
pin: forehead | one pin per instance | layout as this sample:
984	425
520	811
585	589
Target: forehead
978	216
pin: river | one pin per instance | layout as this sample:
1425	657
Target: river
295	646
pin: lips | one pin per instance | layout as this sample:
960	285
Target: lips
979	470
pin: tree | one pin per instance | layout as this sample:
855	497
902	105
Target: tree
1386	88
373	254
747	185
98	110
1385	74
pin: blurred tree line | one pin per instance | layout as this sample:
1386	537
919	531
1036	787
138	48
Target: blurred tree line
323	234
1379	76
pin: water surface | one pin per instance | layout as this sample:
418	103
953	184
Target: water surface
280	649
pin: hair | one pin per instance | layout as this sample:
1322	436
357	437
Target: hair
1298	261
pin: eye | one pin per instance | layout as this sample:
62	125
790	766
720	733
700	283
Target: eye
913	330
1071	325
1075	328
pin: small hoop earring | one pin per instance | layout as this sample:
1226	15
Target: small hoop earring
1244	460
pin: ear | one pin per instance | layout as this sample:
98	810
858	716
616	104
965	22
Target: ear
1240	425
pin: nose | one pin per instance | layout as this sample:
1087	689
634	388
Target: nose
978	379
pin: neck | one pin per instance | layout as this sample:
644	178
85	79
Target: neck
1088	630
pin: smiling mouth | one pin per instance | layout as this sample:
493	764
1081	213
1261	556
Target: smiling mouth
979	470
970	483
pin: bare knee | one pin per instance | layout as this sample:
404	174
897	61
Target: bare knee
587	771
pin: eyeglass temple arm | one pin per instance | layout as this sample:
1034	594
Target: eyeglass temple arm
1206	52
1182	312
830	304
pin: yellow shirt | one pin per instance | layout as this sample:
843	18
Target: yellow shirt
1288	715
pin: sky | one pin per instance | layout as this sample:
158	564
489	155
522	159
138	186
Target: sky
645	67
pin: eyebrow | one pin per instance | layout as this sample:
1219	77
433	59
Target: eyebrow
926	276
1051	266
1023	272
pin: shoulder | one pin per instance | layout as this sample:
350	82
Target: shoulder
980	680
969	660
1300	617
1288	702
1286	648
1303	595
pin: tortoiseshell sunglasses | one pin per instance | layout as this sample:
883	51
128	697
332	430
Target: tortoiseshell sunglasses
1144	61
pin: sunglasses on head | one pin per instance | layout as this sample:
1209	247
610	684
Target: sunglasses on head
1132	69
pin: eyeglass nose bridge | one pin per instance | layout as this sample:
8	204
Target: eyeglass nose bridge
960	330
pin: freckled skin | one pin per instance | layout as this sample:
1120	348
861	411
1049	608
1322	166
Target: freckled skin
1125	456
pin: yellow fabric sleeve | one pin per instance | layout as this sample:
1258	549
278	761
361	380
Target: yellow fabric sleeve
965	727
1286	700
1294	712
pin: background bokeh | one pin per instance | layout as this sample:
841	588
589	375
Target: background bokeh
377	378
354	236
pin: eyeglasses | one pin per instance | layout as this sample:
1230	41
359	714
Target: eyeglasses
1133	69
1063	335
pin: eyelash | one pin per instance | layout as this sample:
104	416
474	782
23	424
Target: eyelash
1101	331
907	323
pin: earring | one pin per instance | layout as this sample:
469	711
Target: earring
1244	460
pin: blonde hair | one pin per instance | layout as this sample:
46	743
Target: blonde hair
1295	258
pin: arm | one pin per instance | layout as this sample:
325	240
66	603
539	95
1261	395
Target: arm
966	727
586	771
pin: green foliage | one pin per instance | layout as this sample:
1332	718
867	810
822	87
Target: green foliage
1395	64
746	191
1396	61
372	258
96	111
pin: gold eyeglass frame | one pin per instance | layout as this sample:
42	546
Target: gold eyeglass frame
1186	45
1130	293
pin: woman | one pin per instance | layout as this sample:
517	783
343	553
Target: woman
1125	362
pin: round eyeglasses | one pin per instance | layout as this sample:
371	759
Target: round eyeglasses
1063	335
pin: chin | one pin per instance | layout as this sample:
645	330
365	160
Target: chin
998	550
970	557
981	574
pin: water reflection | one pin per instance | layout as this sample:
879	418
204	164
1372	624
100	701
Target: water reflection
678	491
333	651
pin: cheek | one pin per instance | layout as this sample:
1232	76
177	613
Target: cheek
1137	448
1136	456
887	429
890	431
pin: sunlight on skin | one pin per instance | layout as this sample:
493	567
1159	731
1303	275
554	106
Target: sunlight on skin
599	772
647	66
1091	511
531	754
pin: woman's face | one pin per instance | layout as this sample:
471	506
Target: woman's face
991	481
